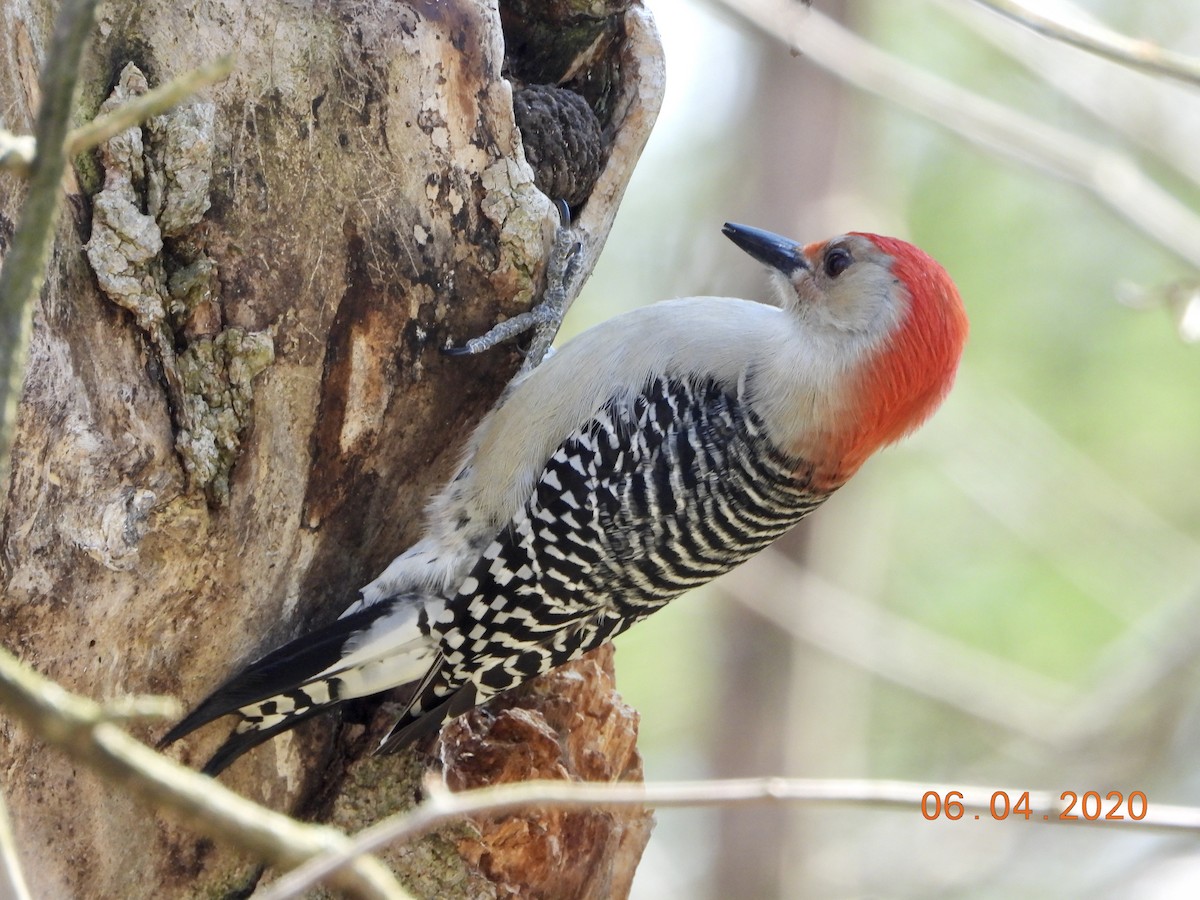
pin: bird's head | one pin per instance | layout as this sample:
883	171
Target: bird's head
883	328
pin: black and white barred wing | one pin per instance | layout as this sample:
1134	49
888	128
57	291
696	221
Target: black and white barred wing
661	491
377	648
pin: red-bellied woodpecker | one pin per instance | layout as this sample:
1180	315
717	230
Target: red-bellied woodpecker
649	455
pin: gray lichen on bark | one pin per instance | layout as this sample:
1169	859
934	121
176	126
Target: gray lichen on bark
156	191
217	375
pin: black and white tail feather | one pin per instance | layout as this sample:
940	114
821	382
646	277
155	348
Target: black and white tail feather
316	674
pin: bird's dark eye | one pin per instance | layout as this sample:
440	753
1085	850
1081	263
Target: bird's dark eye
837	261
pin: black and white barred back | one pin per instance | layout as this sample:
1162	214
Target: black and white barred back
656	494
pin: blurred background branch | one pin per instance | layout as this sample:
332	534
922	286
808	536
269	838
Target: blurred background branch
1012	596
1114	177
1087	82
1073	26
895	648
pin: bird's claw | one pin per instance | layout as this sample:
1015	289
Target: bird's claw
546	316
564	213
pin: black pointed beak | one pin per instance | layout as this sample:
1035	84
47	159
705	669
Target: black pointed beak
777	252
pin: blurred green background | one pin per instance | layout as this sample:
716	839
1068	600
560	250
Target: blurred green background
1010	598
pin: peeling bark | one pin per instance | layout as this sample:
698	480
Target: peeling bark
569	724
364	200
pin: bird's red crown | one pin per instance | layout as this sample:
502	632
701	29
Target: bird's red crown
901	385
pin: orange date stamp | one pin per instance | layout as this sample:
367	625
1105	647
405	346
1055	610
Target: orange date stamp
1090	806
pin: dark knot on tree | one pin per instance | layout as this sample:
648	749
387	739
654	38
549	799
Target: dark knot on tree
563	141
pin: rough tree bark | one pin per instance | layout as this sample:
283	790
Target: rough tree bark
235	405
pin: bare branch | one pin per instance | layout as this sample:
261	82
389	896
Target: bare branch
442	807
1154	124
82	729
1095	38
1113	177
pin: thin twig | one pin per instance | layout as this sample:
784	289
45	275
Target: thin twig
23	270
139	708
18	151
81	728
151	103
1104	42
1112	176
442	807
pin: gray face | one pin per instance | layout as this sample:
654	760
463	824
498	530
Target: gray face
848	289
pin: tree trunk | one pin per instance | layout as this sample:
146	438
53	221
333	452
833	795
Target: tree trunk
235	406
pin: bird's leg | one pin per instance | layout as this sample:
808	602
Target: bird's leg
547	314
561	269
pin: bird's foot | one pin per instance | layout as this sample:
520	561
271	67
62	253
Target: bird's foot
546	316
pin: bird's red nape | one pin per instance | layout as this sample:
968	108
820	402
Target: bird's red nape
900	386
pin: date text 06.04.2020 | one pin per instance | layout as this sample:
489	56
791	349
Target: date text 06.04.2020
1090	806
